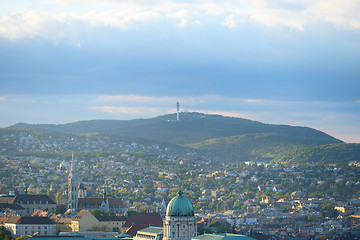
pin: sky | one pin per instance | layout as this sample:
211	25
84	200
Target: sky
293	62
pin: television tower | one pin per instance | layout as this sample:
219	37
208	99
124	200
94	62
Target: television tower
177	113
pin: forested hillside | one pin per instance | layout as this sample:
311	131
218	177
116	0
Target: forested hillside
226	138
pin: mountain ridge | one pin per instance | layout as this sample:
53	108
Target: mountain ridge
226	138
181	132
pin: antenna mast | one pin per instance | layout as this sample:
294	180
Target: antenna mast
177	113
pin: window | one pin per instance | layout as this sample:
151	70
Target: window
45	227
32	227
39	227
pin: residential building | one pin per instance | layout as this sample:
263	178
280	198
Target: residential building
111	223
84	221
27	225
30	202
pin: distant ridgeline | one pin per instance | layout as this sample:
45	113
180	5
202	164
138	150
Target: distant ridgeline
225	138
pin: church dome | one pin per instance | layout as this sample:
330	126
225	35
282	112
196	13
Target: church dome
180	206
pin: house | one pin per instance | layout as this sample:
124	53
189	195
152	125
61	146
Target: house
111	223
62	224
27	225
275	188
12	207
84	221
30	202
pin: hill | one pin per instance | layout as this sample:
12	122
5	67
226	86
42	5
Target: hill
192	128
219	136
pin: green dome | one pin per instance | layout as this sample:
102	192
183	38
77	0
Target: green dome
180	206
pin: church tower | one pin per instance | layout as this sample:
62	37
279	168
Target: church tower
73	184
180	222
161	209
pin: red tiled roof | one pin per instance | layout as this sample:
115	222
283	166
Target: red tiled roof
7	199
138	221
3	220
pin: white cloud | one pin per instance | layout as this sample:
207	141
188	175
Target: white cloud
212	7
181	15
231	21
38	24
2	98
119	19
277	17
66	19
343	14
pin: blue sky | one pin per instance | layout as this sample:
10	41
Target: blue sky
291	62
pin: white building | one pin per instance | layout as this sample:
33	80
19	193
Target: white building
26	225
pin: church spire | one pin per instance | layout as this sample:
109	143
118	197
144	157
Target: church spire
73	184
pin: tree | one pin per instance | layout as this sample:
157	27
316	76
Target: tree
286	208
22	237
309	219
60	209
5	234
96	212
329	211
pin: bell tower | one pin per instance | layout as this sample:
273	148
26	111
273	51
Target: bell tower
73	184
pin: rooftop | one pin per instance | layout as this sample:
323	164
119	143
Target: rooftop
29	220
223	236
154	231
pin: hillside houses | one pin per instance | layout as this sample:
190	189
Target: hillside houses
264	196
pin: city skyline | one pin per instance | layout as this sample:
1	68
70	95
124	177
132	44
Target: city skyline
281	62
